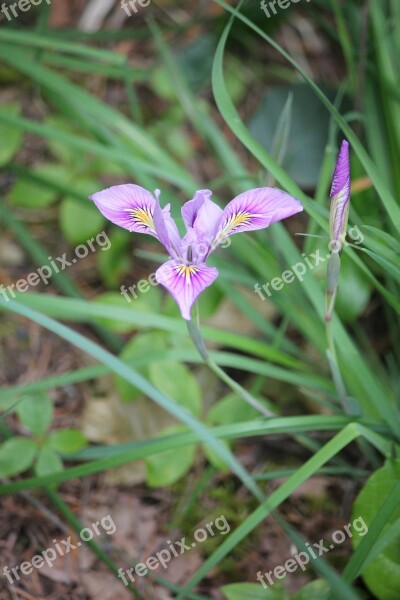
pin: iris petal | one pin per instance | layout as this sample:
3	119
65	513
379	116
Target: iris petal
129	206
340	194
255	209
185	282
203	215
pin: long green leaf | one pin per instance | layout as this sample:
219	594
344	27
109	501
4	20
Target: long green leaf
389	202
130	375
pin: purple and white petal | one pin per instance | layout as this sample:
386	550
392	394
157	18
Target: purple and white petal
185	283
255	209
165	227
129	206
340	194
172	229
203	215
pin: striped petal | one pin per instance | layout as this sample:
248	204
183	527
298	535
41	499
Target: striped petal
129	206
134	208
255	209
185	283
340	195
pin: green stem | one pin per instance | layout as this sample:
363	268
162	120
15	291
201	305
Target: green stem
198	341
350	406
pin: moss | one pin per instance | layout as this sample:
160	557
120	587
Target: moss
221	500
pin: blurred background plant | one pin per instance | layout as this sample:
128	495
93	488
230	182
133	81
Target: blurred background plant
91	97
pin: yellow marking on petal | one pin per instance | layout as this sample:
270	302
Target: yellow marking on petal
187	271
142	216
235	220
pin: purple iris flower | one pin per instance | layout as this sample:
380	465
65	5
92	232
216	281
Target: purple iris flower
340	196
186	275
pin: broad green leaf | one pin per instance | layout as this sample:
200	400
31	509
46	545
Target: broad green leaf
16	456
36	413
177	381
149	301
308	129
382	575
61	151
353	293
167	467
195	59
78	221
316	590
114	324
162	84
116	261
67	441
48	462
28	194
247	591
214	458
232	409
144	296
10	137
140	345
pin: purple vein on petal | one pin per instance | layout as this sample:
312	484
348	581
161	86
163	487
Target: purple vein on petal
185	282
129	206
256	209
340	194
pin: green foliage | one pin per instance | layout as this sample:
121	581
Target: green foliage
307	135
48	462
66	441
27	194
177	141
10	138
115	263
139	346
44	449
382	575
354	285
116	301
176	381
79	221
36	413
232	409
17	455
244	591
168	467
316	590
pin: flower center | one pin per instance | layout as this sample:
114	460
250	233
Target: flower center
186	271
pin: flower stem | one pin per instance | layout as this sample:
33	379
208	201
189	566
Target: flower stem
349	404
198	341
